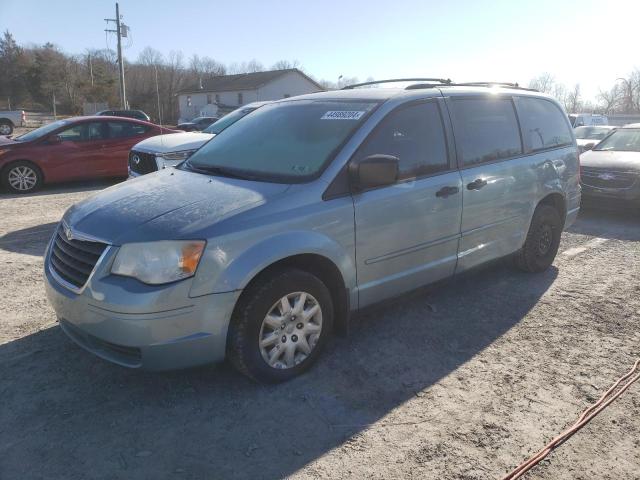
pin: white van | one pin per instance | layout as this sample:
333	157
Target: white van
587	119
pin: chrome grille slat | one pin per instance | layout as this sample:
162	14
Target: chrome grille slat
74	260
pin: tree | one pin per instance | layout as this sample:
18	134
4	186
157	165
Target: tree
13	65
286	65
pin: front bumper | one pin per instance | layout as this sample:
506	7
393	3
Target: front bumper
140	326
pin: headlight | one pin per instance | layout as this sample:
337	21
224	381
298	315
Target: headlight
171	159
158	262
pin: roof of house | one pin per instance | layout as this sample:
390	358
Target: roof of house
243	81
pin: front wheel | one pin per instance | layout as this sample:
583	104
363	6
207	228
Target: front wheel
542	242
21	177
6	128
280	326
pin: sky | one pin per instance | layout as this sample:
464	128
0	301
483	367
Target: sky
577	41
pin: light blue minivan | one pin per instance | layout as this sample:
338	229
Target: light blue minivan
307	210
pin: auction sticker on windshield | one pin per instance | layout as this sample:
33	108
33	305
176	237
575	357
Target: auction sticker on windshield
343	115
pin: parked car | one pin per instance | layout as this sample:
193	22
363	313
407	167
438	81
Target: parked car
587	119
10	119
589	137
137	114
308	209
197	124
611	171
164	151
71	149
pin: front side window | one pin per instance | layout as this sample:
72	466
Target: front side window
486	129
543	124
284	142
622	140
83	132
414	134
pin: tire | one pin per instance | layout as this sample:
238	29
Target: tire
542	242
260	316
6	128
22	177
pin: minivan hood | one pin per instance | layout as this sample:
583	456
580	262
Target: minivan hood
611	159
182	204
173	142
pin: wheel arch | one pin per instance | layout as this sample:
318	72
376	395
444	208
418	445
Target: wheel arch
323	268
557	201
7	165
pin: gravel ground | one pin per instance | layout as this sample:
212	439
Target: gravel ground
462	380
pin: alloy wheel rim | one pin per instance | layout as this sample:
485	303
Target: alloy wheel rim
22	178
5	129
290	330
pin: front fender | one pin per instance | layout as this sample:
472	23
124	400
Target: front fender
216	274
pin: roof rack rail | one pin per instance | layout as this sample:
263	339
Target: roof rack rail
492	84
439	81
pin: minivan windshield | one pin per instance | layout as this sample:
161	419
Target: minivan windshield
228	119
591	133
286	142
42	131
622	140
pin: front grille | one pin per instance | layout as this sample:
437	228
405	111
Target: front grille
142	163
74	260
601	178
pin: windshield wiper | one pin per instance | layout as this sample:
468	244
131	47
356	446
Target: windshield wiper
218	171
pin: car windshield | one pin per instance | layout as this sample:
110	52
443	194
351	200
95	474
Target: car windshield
623	140
228	119
591	133
42	131
283	142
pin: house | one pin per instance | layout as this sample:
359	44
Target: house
218	95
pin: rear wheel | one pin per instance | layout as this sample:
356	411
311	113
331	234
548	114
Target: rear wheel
280	326
22	177
6	128
542	242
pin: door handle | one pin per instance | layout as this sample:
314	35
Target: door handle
477	184
444	192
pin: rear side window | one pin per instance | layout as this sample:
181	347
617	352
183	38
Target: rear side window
415	135
543	124
126	129
486	129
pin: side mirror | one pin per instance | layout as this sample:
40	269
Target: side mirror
54	139
373	171
588	146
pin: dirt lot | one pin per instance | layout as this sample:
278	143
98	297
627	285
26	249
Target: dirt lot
463	380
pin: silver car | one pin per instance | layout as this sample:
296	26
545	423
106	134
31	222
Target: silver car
306	211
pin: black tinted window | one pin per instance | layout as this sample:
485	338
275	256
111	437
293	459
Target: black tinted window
543	124
413	134
486	129
125	129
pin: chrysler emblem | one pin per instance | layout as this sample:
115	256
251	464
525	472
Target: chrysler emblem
135	159
67	233
606	176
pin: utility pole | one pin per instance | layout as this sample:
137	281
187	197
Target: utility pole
119	33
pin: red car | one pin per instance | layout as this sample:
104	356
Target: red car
71	149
